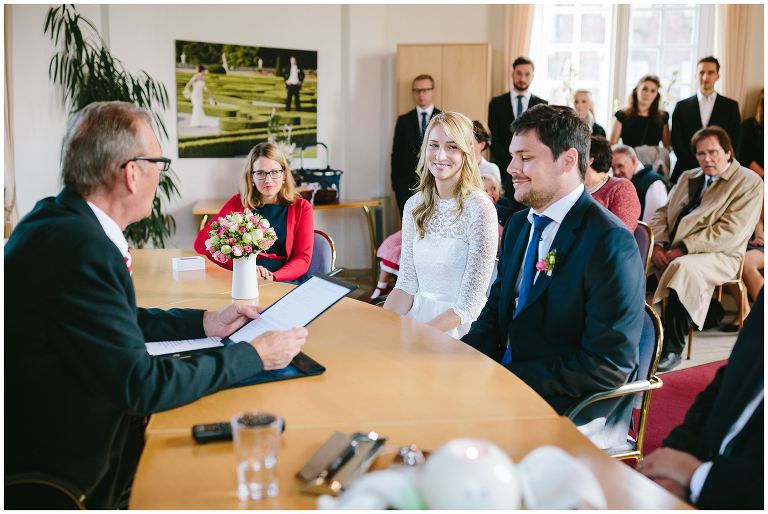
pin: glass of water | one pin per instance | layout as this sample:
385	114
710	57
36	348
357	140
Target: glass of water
256	438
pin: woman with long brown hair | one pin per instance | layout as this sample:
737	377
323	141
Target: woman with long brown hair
267	188
450	233
643	122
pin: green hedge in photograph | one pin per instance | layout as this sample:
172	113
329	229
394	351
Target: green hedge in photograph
235	146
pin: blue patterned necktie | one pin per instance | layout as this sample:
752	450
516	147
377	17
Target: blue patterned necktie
519	105
423	123
529	270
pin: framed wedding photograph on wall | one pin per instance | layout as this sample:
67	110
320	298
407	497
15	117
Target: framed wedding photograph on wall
231	97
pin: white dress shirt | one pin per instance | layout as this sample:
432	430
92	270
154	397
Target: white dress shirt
293	77
113	232
706	104
556	212
428	110
701	473
526	99
655	197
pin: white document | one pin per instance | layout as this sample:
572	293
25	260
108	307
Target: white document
296	309
185	345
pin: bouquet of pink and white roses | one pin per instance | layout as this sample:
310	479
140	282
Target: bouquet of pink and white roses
239	234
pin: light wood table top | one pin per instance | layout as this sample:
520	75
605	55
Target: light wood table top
176	473
211	206
385	373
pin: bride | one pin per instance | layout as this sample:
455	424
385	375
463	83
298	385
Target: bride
450	233
195	88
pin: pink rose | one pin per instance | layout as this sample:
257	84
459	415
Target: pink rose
231	240
253	220
247	248
219	257
541	265
208	245
242	229
221	232
237	250
265	244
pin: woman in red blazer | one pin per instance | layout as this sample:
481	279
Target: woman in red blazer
267	187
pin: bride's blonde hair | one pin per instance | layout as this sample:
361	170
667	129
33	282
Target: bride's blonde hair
458	128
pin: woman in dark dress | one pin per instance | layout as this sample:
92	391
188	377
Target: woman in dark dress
582	102
750	150
642	123
267	188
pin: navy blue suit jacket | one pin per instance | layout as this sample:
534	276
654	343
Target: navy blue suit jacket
580	331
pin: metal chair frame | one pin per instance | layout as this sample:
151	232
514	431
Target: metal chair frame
334	270
645	386
44	481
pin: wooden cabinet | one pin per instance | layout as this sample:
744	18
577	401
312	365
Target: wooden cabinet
462	74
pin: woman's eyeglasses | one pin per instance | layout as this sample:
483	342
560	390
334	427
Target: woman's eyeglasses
262	175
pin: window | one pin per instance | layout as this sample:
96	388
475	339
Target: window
664	40
574	52
606	49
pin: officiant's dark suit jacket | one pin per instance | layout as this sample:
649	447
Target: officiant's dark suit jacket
686	120
78	379
580	330
501	114
736	479
406	146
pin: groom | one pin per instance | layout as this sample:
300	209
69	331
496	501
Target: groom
566	310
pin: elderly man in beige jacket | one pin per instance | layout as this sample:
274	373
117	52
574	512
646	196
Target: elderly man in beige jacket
701	235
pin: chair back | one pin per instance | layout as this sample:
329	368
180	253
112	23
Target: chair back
644	239
41	491
651	341
323	255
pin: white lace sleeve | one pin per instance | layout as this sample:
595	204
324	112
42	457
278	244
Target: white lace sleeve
407	280
483	239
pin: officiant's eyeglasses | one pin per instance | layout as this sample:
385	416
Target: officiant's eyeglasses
162	163
262	175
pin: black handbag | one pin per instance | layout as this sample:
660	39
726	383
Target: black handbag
325	183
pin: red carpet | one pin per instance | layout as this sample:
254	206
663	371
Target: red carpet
670	403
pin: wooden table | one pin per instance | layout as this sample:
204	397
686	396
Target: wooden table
407	381
211	207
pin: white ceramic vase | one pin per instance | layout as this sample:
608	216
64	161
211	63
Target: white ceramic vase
245	285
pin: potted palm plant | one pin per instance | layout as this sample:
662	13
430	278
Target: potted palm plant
86	72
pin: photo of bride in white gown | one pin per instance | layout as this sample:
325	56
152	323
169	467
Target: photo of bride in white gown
450	233
194	90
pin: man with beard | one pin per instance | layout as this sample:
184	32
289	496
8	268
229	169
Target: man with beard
506	108
566	311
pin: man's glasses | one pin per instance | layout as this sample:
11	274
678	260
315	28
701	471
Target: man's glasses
262	175
708	153
423	90
162	163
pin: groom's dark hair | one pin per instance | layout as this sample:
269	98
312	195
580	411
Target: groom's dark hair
559	128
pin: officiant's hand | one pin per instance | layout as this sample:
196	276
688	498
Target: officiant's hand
278	347
226	320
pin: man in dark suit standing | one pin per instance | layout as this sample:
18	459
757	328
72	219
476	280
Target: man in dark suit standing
714	459
77	372
409	132
566	310
703	109
502	111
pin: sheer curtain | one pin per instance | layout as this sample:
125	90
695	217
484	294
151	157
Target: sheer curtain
11	212
736	39
518	28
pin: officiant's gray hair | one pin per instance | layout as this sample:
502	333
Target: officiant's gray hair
101	138
559	128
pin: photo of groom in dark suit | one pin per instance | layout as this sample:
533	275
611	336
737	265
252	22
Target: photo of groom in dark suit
566	310
502	111
409	132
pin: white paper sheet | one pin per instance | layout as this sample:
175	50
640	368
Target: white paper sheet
184	345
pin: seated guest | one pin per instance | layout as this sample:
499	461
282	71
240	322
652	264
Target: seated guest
572	325
754	260
450	234
750	151
582	102
75	351
489	172
643	122
701	235
389	262
267	188
649	185
715	458
614	193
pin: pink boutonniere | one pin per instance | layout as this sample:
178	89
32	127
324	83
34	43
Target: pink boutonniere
547	264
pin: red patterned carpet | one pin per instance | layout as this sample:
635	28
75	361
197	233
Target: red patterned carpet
670	403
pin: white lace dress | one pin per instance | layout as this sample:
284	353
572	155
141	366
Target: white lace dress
449	268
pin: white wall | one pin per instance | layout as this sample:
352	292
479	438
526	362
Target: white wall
356	47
